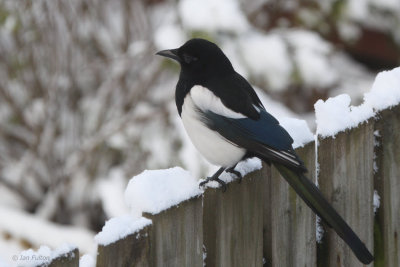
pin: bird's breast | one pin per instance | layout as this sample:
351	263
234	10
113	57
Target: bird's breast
216	149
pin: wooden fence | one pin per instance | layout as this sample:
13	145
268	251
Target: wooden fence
262	222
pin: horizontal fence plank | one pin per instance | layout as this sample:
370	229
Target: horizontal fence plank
387	184
292	222
176	235
133	251
233	223
346	179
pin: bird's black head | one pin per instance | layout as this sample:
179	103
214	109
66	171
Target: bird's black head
199	58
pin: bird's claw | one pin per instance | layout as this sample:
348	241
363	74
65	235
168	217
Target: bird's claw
209	179
235	172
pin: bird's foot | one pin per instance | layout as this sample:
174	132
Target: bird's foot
212	178
235	172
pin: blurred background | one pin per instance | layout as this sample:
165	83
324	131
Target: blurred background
85	104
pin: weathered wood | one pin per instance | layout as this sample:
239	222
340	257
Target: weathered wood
267	225
69	259
176	235
263	218
132	250
387	183
346	179
233	223
292	222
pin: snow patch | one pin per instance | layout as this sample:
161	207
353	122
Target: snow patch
267	58
153	191
169	36
385	92
244	167
3	263
248	166
119	227
111	190
19	225
87	260
298	130
204	255
213	16
311	55
44	255
336	114
376	201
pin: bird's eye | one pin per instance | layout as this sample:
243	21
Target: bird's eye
189	59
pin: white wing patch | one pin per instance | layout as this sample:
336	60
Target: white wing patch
286	155
215	148
205	100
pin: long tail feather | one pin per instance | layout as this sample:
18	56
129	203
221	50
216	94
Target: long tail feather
311	195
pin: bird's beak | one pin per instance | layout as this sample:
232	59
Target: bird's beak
171	53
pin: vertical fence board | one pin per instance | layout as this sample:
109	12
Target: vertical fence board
176	235
70	259
132	250
387	182
267	225
346	179
233	223
292	222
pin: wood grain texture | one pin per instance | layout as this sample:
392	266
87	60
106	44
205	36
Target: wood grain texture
267	222
176	235
387	183
346	179
292	222
132	250
233	223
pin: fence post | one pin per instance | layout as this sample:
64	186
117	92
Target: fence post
69	259
292	222
387	183
346	179
133	250
176	235
233	223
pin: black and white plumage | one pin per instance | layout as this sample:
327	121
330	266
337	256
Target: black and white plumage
214	147
209	87
227	123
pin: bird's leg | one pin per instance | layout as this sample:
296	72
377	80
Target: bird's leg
214	177
235	172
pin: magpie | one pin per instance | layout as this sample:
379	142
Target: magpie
227	123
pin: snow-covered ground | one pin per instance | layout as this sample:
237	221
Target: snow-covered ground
22	229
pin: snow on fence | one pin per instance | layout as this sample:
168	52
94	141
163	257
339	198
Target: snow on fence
262	222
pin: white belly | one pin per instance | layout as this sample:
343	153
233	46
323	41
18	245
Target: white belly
216	149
